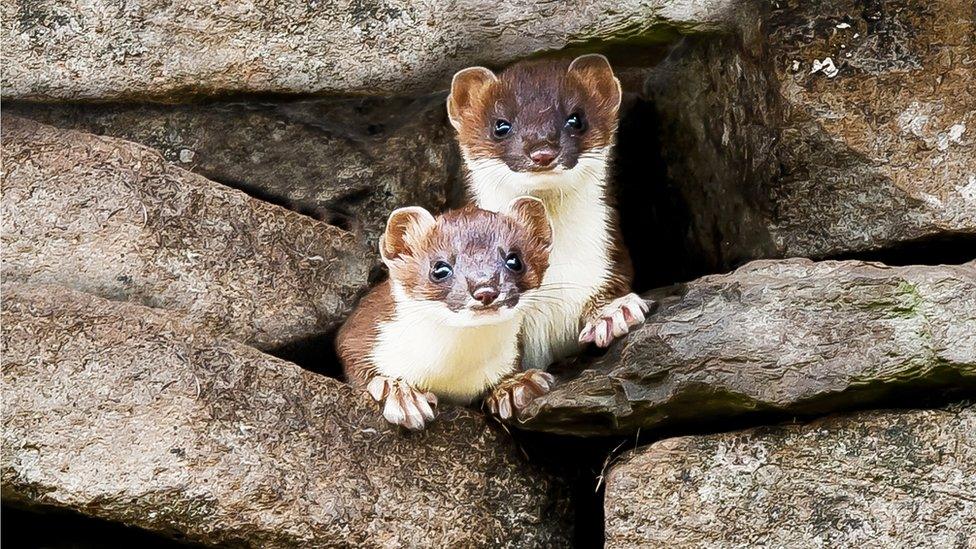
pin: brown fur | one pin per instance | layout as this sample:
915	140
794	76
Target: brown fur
536	97
621	283
357	336
474	241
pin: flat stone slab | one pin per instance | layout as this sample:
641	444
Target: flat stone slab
138	416
790	336
876	479
94	49
346	162
113	218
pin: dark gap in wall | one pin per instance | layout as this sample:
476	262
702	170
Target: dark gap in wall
67	530
654	216
946	249
579	462
332	215
318	353
315	353
950	390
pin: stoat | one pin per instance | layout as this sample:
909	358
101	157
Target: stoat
546	128
448	321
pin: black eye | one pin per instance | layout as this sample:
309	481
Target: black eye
575	122
513	262
441	271
502	128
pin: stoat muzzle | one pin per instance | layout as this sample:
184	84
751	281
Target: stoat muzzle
448	320
536	116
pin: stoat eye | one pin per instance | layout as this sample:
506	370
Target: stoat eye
441	271
575	122
513	263
502	128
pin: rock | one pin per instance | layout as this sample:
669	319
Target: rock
886	479
347	162
112	218
787	337
137	416
93	49
778	159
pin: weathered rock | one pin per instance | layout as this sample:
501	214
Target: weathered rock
346	162
779	160
134	415
791	336
113	218
94	49
878	479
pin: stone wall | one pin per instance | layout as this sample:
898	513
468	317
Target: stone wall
188	186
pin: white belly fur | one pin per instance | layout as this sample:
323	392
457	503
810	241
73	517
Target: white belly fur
579	264
457	364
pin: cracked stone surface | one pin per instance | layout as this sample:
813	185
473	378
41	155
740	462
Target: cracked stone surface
780	336
776	159
885	478
95	49
113	218
140	416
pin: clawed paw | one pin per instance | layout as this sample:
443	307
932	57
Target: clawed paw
402	404
514	393
614	320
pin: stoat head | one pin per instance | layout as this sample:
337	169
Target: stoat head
468	266
536	121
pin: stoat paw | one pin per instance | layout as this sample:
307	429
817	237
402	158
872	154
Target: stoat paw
402	404
614	320
515	392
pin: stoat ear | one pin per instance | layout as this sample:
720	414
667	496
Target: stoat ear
405	230
594	71
531	213
466	87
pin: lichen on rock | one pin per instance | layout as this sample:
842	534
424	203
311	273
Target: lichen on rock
781	337
892	478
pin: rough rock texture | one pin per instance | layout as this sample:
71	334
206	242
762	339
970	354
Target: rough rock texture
113	218
778	160
96	49
879	479
790	336
346	162
133	415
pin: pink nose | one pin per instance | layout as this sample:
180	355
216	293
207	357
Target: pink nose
485	295
542	157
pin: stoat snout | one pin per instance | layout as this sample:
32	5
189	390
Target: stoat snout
467	267
445	325
537	116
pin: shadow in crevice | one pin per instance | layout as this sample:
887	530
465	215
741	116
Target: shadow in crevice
579	462
316	354
52	529
898	398
654	215
333	214
946	249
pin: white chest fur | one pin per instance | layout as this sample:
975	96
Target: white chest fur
456	363
579	263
